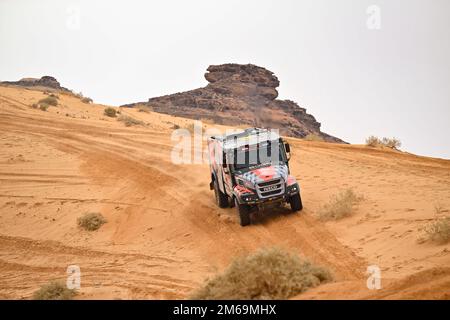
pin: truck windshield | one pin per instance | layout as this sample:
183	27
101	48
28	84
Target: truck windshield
250	157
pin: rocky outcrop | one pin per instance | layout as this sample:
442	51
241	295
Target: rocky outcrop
240	95
46	82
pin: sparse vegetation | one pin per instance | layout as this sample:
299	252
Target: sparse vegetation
340	205
313	137
91	221
110	112
439	209
392	143
439	231
86	100
54	290
267	274
129	121
43	106
145	109
51	101
52	95
175	126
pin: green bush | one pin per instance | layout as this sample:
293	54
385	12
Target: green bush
43	106
439	230
54	290
86	100
129	121
267	274
313	137
110	112
91	221
340	206
51	101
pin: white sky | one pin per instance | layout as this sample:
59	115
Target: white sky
357	82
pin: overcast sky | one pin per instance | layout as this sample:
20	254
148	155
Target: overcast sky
360	67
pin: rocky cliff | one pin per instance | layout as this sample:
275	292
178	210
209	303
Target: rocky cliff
46	82
240	95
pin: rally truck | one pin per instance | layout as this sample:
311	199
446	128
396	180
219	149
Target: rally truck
250	171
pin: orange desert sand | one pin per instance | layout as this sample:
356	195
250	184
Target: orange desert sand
164	233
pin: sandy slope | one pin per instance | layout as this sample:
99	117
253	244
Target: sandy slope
164	233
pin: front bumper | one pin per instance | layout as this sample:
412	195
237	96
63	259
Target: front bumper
253	199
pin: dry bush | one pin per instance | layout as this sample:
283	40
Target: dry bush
86	100
91	221
191	126
54	290
340	205
43	106
373	141
392	143
51	101
313	137
439	209
145	109
267	274
439	231
129	121
110	112
52	95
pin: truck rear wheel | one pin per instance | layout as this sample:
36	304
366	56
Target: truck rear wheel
221	198
296	202
244	213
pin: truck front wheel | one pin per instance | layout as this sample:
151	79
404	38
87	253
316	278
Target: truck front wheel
244	213
296	202
221	198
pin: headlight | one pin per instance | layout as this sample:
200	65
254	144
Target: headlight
293	188
245	183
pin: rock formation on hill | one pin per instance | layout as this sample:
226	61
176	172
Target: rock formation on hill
46	82
240	95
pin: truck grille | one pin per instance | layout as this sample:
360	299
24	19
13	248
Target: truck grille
270	188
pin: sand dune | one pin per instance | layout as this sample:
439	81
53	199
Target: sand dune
165	234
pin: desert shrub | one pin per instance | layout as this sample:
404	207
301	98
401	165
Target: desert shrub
43	106
110	112
91	221
51	101
86	100
129	121
54	290
175	126
392	143
439	230
190	127
340	205
267	274
313	137
438	208
144	109
52	95
373	141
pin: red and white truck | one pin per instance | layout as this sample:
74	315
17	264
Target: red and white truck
250	169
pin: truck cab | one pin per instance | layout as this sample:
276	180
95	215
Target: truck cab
250	170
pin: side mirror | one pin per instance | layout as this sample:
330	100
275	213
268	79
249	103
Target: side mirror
288	151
